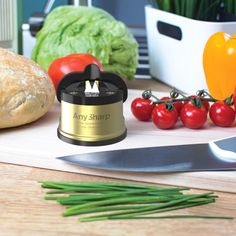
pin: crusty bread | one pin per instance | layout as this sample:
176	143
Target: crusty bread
26	91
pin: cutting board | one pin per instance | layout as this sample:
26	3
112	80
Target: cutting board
37	145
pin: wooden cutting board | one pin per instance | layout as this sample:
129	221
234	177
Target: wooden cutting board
37	145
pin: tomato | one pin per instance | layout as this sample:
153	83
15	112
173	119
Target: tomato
71	63
164	118
178	105
222	114
205	103
234	98
142	108
193	117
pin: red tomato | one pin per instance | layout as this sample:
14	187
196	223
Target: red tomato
193	117
163	118
142	108
234	98
222	114
71	63
178	105
205	103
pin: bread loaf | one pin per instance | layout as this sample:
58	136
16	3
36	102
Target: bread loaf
26	91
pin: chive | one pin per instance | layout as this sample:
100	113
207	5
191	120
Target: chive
128	207
88	197
48	184
104	208
177	6
116	216
150	208
188	8
210	11
229	6
179	216
166	5
81	190
106	196
182	7
74	189
110	195
196	9
104	187
121	200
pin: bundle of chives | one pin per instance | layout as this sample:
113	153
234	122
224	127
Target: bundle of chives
230	6
124	200
206	10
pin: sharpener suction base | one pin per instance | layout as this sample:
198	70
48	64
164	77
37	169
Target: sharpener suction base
87	143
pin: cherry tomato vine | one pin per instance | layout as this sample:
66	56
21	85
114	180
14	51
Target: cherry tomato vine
192	110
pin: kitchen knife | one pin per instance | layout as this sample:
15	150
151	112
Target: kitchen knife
217	155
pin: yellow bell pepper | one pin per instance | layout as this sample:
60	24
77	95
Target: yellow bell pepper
219	62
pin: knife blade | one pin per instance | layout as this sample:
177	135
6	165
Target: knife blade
164	159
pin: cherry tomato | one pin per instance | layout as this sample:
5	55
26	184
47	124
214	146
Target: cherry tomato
205	103
178	105
234	99
142	108
74	62
164	118
193	117
222	114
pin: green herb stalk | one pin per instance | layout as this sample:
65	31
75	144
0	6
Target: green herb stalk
124	200
206	10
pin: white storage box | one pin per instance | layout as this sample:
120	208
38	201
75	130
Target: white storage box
176	45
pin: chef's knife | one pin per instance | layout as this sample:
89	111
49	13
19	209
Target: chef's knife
191	157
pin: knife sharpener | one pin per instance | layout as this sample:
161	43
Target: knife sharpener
92	107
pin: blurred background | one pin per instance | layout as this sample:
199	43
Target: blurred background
170	36
130	12
18	17
20	20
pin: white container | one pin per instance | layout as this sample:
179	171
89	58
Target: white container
178	62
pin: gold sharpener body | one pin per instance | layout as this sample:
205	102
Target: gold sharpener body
92	124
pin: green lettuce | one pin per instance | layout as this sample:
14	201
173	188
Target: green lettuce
69	29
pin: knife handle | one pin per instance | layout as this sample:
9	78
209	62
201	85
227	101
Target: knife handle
224	149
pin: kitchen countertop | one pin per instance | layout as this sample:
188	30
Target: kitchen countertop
23	211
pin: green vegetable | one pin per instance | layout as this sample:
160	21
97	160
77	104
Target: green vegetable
206	10
69	29
124	201
230	6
